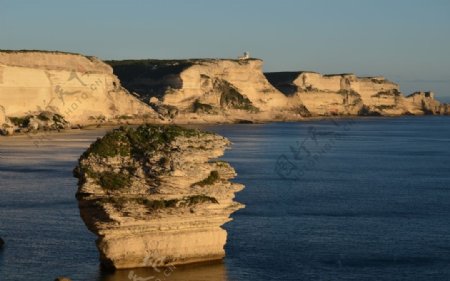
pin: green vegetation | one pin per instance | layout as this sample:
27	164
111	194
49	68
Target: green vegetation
113	181
142	140
211	179
21	122
125	117
112	144
338	74
59	119
135	143
302	110
390	93
377	80
199	199
39	51
189	201
221	163
148	138
199	107
43	116
154	205
385	106
91	58
231	98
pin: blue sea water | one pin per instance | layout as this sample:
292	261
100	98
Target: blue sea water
361	199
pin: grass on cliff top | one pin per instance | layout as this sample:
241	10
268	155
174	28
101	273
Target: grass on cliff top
45	52
141	140
130	142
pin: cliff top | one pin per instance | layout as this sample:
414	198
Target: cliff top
157	69
53	60
290	76
44	52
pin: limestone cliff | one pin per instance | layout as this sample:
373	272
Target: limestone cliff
79	88
425	103
154	196
54	90
206	89
347	94
229	90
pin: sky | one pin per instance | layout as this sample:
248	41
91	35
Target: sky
407	41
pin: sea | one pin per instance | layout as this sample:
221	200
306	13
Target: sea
332	199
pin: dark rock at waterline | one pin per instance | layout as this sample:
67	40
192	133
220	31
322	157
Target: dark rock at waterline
1	242
243	121
62	279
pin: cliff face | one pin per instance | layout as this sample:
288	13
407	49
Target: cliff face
424	102
79	88
154	197
347	94
54	90
214	89
227	90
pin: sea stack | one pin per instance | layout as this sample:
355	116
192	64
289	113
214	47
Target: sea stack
155	196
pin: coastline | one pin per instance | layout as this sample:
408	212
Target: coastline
110	126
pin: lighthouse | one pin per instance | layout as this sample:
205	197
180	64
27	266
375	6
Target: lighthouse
246	56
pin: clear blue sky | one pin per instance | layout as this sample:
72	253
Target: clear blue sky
407	41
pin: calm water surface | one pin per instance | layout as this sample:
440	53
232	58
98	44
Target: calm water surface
365	200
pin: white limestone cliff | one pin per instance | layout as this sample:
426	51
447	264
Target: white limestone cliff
81	89
214	90
78	90
207	90
347	94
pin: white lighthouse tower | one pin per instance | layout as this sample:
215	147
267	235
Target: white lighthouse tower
246	56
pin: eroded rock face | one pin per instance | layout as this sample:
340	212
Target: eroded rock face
154	196
425	103
81	89
213	90
347	94
208	90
